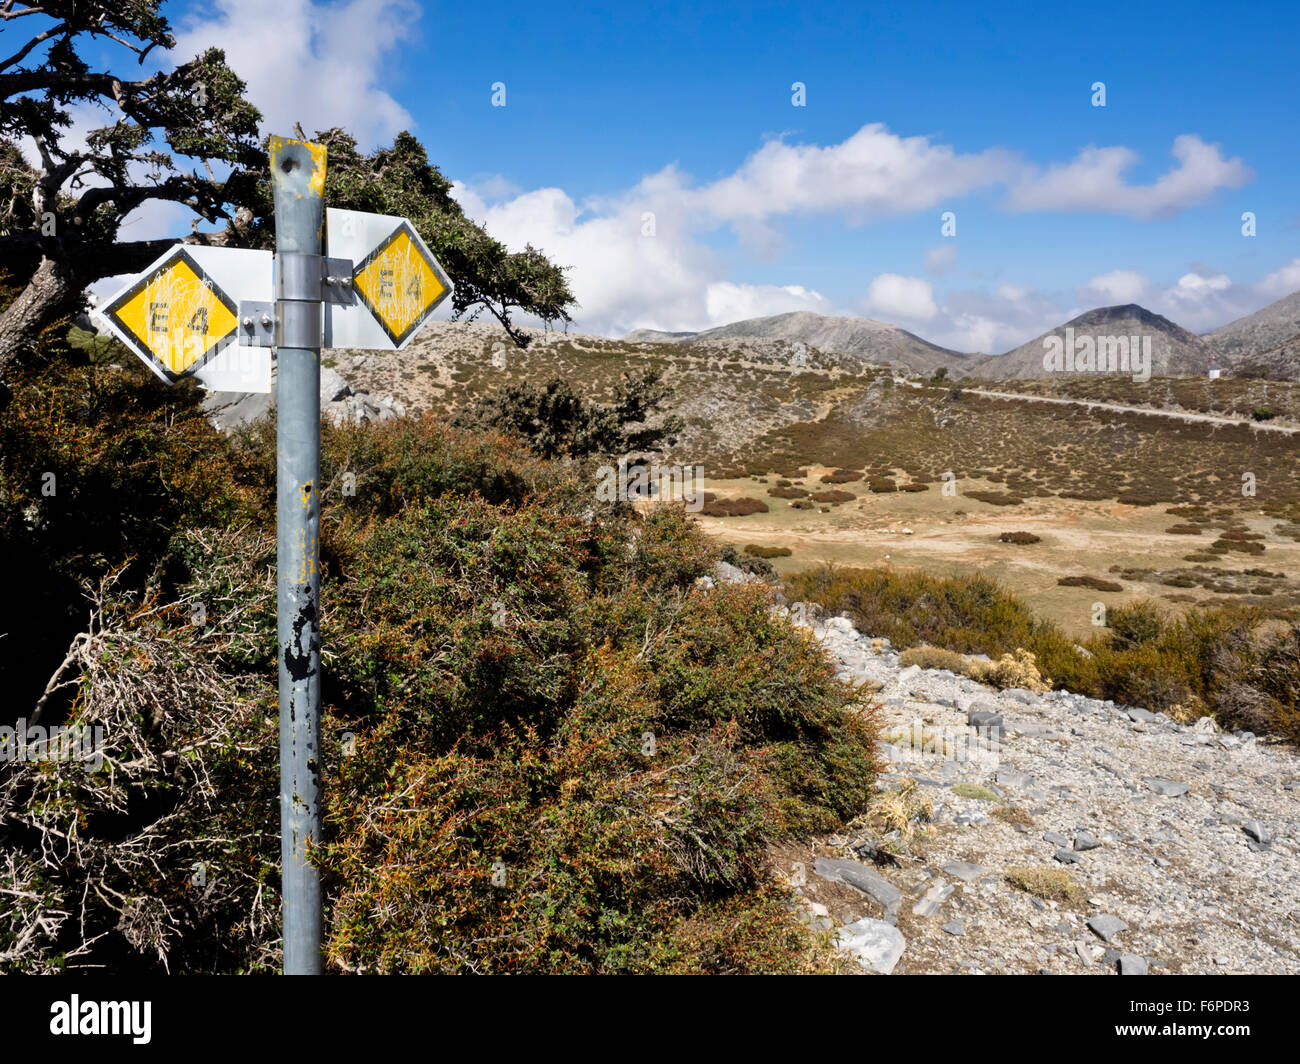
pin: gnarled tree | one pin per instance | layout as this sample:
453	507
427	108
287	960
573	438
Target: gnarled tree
60	219
189	136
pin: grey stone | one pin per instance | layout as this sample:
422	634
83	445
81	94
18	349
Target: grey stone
1168	788
332	386
1105	926
1024	697
964	870
1084	841
228	410
1132	964
954	927
1038	731
1056	839
875	944
1257	831
729	574
985	718
1141	716
1067	857
857	875
933	900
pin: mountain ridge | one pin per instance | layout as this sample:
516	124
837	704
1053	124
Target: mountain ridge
1175	350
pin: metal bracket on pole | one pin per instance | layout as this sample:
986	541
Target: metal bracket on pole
338	282
301	276
256	323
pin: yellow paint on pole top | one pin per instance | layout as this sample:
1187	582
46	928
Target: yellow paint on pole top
176	316
315	152
398	283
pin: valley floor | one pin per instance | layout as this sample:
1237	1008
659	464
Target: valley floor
958	535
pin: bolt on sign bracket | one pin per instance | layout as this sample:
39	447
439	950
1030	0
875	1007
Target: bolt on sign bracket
337	286
256	323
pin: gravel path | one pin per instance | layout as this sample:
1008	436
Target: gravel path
1181	840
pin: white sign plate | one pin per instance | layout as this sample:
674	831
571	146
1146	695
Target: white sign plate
398	282
180	316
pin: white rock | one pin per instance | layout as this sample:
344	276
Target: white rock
876	945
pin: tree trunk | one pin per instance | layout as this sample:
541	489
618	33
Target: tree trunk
48	295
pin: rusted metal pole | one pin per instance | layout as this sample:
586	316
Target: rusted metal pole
298	183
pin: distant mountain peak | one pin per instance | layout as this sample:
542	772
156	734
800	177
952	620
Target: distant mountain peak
1175	349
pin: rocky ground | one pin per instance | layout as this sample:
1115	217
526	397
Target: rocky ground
1180	841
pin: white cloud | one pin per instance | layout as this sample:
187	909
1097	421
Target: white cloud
1198	283
1205	299
892	297
1115	288
873	172
941	259
318	64
1094	181
974	320
624	279
1281	282
726	302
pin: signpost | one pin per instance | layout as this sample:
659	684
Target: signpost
211	314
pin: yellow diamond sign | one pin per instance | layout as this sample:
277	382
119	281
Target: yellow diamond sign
400	283
174	316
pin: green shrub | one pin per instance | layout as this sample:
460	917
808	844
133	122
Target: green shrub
926	657
528	677
1135	624
1096	583
743	507
759	551
608	850
1222	661
995	498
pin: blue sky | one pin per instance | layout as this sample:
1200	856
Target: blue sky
685	112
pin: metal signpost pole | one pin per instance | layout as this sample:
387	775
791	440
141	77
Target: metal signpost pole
201	312
298	182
